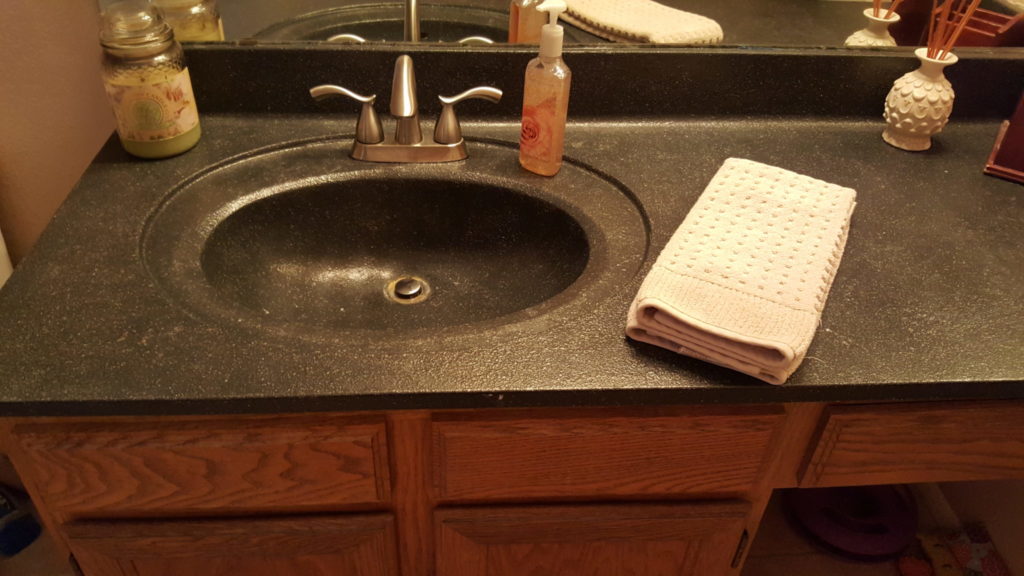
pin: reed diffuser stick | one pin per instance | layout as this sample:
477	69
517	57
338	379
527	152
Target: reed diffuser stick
892	8
961	24
941	24
877	7
946	24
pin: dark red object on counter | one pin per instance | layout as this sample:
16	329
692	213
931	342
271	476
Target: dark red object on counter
1007	158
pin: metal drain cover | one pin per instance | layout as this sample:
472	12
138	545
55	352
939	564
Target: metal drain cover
407	290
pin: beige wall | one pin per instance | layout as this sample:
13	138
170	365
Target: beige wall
1000	506
53	113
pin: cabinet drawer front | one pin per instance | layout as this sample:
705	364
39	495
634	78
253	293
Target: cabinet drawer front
705	452
929	442
201	466
355	545
678	540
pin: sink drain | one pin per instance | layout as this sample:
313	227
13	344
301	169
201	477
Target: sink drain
407	290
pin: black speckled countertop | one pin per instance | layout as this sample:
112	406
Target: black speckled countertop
927	303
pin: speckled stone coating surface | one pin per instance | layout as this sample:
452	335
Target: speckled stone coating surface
926	305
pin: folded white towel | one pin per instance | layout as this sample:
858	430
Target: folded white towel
641	21
744	279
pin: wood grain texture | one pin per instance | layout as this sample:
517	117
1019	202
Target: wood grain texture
926	442
183	467
50	519
788	451
410	469
5	435
796	439
358	545
597	454
653	540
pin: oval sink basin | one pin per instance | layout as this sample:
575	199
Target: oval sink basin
325	254
386	22
306	241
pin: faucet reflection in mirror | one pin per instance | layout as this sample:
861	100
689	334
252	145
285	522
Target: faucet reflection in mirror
407	143
410	30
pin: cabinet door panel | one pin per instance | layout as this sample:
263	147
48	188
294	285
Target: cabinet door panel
356	545
576	455
697	539
926	442
206	467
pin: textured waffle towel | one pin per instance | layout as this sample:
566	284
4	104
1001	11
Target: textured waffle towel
641	21
743	280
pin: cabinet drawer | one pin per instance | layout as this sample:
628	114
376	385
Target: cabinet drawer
357	544
586	454
696	539
201	466
928	442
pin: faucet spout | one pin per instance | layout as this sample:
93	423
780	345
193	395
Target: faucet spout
412	21
408	144
404	106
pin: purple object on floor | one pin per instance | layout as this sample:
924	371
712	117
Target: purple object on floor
18	528
864	523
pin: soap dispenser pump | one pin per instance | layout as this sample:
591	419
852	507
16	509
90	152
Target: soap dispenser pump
545	99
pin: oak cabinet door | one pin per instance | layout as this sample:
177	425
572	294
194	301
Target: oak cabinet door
694	539
355	545
918	442
206	467
601	455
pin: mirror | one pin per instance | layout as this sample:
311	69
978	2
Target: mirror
784	23
769	23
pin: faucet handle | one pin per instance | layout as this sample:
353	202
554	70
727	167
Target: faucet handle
368	128
447	129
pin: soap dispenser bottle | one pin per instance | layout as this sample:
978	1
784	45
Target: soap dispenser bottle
524	22
545	99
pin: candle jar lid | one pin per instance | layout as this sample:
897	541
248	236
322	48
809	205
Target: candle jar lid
130	23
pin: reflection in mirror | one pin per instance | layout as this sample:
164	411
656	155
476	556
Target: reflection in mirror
193	20
786	23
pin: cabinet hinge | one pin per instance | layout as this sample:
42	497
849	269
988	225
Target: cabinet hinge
740	549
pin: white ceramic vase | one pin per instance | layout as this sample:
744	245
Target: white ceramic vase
919	104
876	34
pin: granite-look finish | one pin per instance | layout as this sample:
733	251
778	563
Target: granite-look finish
926	304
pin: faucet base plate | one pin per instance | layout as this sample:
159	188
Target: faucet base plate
427	151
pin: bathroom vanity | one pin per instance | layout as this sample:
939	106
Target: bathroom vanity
166	422
657	490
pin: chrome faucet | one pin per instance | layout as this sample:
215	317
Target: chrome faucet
407	144
412	21
410	30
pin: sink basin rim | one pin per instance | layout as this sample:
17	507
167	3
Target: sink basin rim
167	245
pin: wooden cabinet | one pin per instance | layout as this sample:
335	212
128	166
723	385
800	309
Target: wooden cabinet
601	454
649	540
926	442
206	466
594	491
354	545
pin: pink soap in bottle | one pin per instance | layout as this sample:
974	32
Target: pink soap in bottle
545	99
